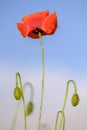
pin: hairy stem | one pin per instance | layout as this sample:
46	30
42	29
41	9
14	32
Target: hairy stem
64	104
42	90
67	86
63	120
15	116
19	103
21	87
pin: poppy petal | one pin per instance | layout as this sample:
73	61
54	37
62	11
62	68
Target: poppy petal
23	28
34	16
50	24
35	33
34	36
35	19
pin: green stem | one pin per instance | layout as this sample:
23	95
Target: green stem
31	87
21	87
67	86
18	105
65	99
63	120
15	116
42	90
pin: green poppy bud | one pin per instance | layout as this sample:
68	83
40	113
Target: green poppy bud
75	99
29	108
17	93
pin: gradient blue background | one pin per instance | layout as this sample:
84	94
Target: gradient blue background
65	58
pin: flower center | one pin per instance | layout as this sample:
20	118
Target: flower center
36	30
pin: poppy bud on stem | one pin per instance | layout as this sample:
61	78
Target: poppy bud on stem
42	91
29	105
18	77
75	101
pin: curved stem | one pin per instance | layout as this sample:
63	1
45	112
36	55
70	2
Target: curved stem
21	87
65	99
18	105
67	86
63	120
42	90
31	87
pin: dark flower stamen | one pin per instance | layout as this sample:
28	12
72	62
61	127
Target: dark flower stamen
37	30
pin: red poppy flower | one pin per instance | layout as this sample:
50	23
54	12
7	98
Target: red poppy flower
38	22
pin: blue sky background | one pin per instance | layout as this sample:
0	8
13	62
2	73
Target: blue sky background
65	58
66	48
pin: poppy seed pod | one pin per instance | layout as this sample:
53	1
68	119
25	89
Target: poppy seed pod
29	108
17	93
75	99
